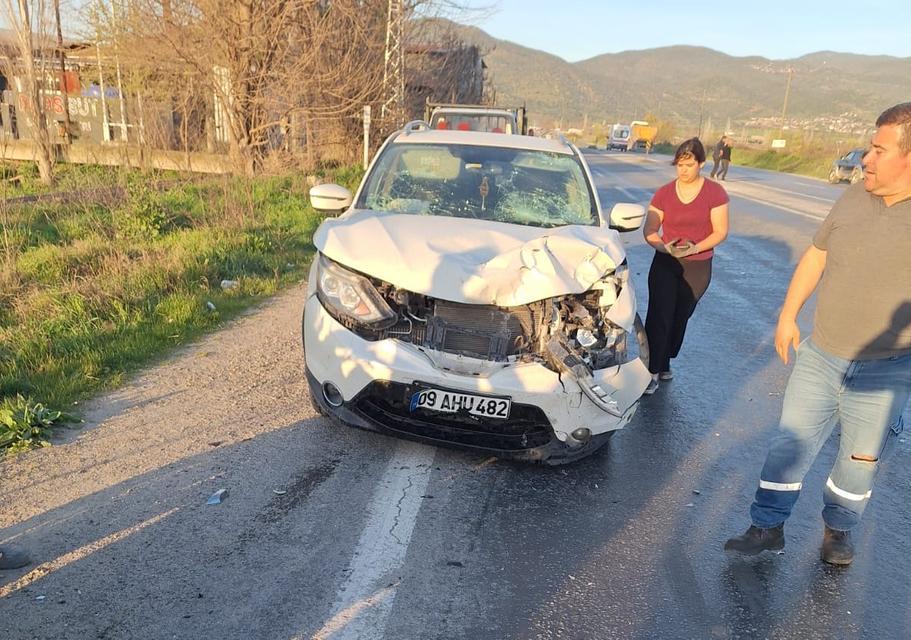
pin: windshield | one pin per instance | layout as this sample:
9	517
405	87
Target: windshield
518	186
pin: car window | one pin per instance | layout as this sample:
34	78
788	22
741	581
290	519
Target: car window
472	122
518	186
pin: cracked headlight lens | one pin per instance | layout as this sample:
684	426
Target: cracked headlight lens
349	294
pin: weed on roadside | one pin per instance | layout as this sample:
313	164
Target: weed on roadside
25	424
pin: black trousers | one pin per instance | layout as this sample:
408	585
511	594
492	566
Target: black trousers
674	288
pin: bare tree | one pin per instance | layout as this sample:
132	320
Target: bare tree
256	77
254	64
29	20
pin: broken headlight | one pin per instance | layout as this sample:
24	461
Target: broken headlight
597	341
350	295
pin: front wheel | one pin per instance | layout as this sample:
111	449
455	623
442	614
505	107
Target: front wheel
833	177
856	176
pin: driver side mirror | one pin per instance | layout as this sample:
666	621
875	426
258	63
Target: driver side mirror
330	199
626	216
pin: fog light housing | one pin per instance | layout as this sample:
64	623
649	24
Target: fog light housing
332	395
582	434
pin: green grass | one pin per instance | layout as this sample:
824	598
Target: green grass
90	293
21	178
816	165
802	157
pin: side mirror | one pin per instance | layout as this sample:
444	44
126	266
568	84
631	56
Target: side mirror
626	216
330	199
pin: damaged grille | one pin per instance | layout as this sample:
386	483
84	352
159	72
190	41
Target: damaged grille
478	331
387	403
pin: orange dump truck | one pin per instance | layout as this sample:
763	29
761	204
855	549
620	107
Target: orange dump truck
642	135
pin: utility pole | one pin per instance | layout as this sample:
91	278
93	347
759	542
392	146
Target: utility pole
784	107
701	112
393	112
63	84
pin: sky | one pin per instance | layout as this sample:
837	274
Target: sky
576	30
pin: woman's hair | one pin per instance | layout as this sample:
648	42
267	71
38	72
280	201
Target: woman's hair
692	147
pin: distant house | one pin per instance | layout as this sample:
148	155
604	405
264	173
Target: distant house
94	105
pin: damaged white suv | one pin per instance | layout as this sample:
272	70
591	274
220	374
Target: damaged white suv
472	294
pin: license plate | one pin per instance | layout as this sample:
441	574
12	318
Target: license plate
451	402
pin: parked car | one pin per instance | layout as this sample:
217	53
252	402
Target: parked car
472	294
848	167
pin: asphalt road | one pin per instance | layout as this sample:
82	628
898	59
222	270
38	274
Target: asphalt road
329	532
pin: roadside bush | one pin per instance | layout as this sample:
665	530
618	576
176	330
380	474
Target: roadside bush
148	212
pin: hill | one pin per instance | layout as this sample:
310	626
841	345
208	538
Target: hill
682	83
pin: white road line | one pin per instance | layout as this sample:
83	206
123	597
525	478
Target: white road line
792	204
365	599
789	210
800	194
628	194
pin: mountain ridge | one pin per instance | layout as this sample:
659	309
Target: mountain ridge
688	84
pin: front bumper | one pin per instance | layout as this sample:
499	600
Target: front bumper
375	379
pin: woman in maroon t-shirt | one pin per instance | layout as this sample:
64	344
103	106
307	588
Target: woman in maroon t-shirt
687	218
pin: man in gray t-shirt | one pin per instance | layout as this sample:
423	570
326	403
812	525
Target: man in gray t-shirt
855	369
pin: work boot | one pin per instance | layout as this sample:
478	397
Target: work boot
11	558
837	547
756	540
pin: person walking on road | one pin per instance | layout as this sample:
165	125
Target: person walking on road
716	155
725	162
12	558
687	219
855	368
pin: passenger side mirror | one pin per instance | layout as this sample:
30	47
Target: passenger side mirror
330	199
626	216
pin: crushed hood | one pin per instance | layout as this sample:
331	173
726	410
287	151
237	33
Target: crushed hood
471	261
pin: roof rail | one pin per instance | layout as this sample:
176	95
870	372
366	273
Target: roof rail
415	125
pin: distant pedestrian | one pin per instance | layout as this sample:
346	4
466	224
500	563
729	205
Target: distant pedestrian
725	161
687	218
855	368
716	155
12	558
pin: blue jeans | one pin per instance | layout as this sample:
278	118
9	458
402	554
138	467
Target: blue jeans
867	397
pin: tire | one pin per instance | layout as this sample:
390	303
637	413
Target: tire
833	177
857	175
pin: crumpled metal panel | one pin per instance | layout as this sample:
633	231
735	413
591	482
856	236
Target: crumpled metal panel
471	261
